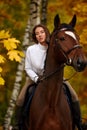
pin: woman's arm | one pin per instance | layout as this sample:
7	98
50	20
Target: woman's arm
28	67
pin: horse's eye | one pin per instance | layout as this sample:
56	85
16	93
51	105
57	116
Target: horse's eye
62	38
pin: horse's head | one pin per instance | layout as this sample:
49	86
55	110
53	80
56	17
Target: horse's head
65	42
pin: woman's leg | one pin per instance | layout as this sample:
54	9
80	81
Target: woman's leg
21	96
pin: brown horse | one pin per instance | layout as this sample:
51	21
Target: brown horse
49	108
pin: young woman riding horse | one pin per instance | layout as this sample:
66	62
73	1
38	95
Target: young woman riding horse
49	108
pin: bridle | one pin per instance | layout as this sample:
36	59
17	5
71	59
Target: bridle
73	48
68	60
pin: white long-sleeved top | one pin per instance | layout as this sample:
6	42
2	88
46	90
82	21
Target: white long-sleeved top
34	61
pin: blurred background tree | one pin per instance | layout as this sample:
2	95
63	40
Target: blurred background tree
13	18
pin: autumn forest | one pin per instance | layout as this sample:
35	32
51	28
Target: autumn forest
14	24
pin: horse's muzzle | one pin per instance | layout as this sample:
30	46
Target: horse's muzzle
80	64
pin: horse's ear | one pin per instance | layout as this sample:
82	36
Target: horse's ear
73	21
56	21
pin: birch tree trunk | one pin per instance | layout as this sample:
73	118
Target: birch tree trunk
44	12
17	84
34	19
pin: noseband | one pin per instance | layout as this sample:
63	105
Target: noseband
68	60
74	47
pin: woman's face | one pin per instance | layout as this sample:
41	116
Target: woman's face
40	35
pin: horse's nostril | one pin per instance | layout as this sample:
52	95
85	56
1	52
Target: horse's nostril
86	63
81	64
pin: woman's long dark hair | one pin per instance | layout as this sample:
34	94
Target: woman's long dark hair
46	31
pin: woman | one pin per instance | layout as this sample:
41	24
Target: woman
34	67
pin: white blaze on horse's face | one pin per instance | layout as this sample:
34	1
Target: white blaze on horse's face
71	34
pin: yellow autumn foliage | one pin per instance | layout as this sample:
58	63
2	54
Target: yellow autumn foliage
10	43
79	8
4	34
12	52
83	37
2	81
2	59
0	69
15	55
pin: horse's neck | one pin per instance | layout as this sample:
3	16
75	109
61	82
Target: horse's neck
53	82
52	65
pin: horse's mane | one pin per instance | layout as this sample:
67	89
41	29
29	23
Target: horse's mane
67	26
61	27
46	57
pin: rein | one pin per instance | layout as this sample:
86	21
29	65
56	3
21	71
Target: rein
74	47
52	73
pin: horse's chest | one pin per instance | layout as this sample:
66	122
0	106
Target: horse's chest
50	121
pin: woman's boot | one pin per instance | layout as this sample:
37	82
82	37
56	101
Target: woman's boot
77	116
